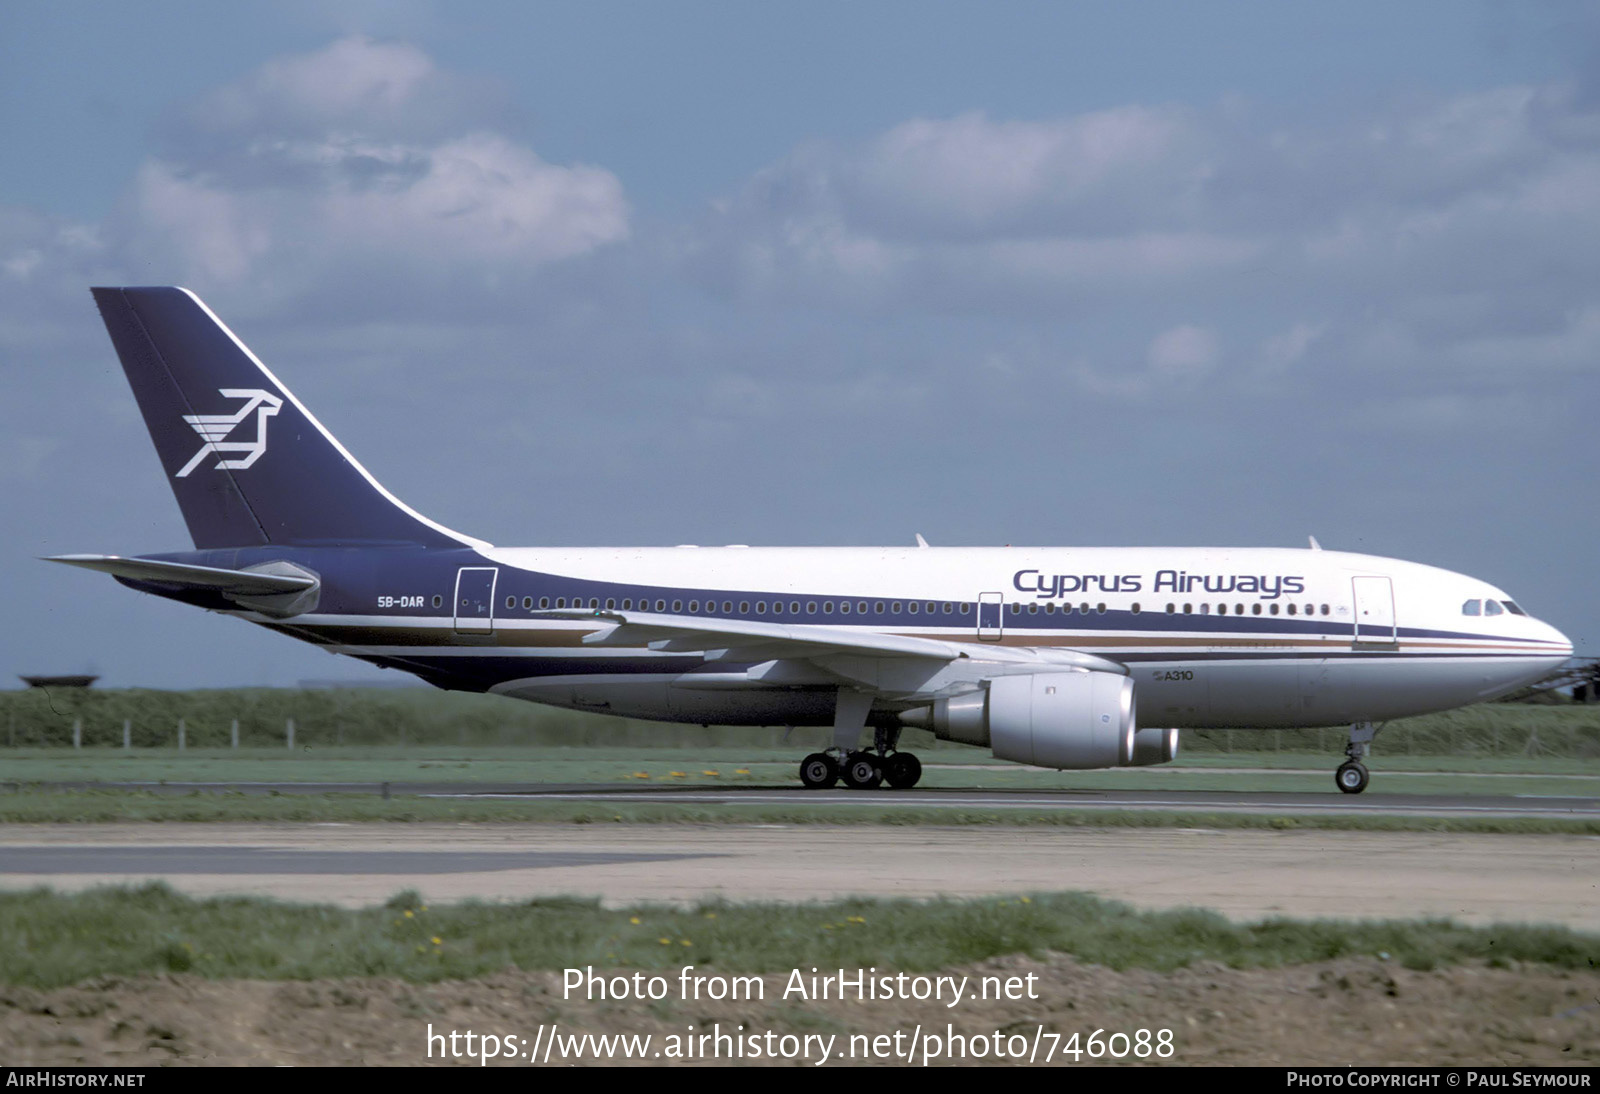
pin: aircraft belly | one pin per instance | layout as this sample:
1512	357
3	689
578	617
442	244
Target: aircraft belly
1321	692
660	698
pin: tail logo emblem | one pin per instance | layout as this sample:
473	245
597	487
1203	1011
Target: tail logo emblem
214	430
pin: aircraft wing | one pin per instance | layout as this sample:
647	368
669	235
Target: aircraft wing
746	640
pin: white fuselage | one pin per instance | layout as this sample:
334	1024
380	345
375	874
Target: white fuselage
1212	637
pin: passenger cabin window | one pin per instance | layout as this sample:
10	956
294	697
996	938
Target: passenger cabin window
1472	607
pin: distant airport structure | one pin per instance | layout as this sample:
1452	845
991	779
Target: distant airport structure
58	681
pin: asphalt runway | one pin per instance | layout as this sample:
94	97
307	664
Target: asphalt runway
1237	801
1247	875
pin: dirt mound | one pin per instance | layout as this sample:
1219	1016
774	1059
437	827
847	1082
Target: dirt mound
1337	1013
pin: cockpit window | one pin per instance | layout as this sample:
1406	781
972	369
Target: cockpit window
1472	607
1512	608
1492	607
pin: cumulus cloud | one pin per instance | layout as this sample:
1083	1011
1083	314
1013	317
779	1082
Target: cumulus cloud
1449	223
362	158
1185	353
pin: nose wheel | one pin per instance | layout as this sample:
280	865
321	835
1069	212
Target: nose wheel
1351	777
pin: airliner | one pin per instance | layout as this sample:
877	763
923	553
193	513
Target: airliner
1066	658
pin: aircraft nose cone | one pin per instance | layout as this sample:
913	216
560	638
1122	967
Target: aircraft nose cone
1562	645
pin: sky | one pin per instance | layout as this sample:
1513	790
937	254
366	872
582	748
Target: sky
816	273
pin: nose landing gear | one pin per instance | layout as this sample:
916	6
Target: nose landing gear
1352	776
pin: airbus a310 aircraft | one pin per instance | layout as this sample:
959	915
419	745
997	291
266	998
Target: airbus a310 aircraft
1038	654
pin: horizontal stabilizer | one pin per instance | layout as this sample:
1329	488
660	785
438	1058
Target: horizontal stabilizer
278	589
241	582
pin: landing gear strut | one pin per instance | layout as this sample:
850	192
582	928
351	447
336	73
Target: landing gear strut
1352	775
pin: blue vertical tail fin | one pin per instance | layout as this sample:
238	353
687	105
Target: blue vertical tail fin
248	463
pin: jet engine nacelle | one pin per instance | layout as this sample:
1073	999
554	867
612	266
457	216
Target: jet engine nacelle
1066	720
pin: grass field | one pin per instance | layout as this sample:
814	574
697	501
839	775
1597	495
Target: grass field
56	939
423	717
105	807
421	736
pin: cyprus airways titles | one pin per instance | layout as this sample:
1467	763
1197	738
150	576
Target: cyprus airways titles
1065	658
1263	586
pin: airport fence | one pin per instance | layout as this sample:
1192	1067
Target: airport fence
1488	729
339	717
352	717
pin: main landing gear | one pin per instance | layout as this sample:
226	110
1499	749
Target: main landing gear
863	769
1352	775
